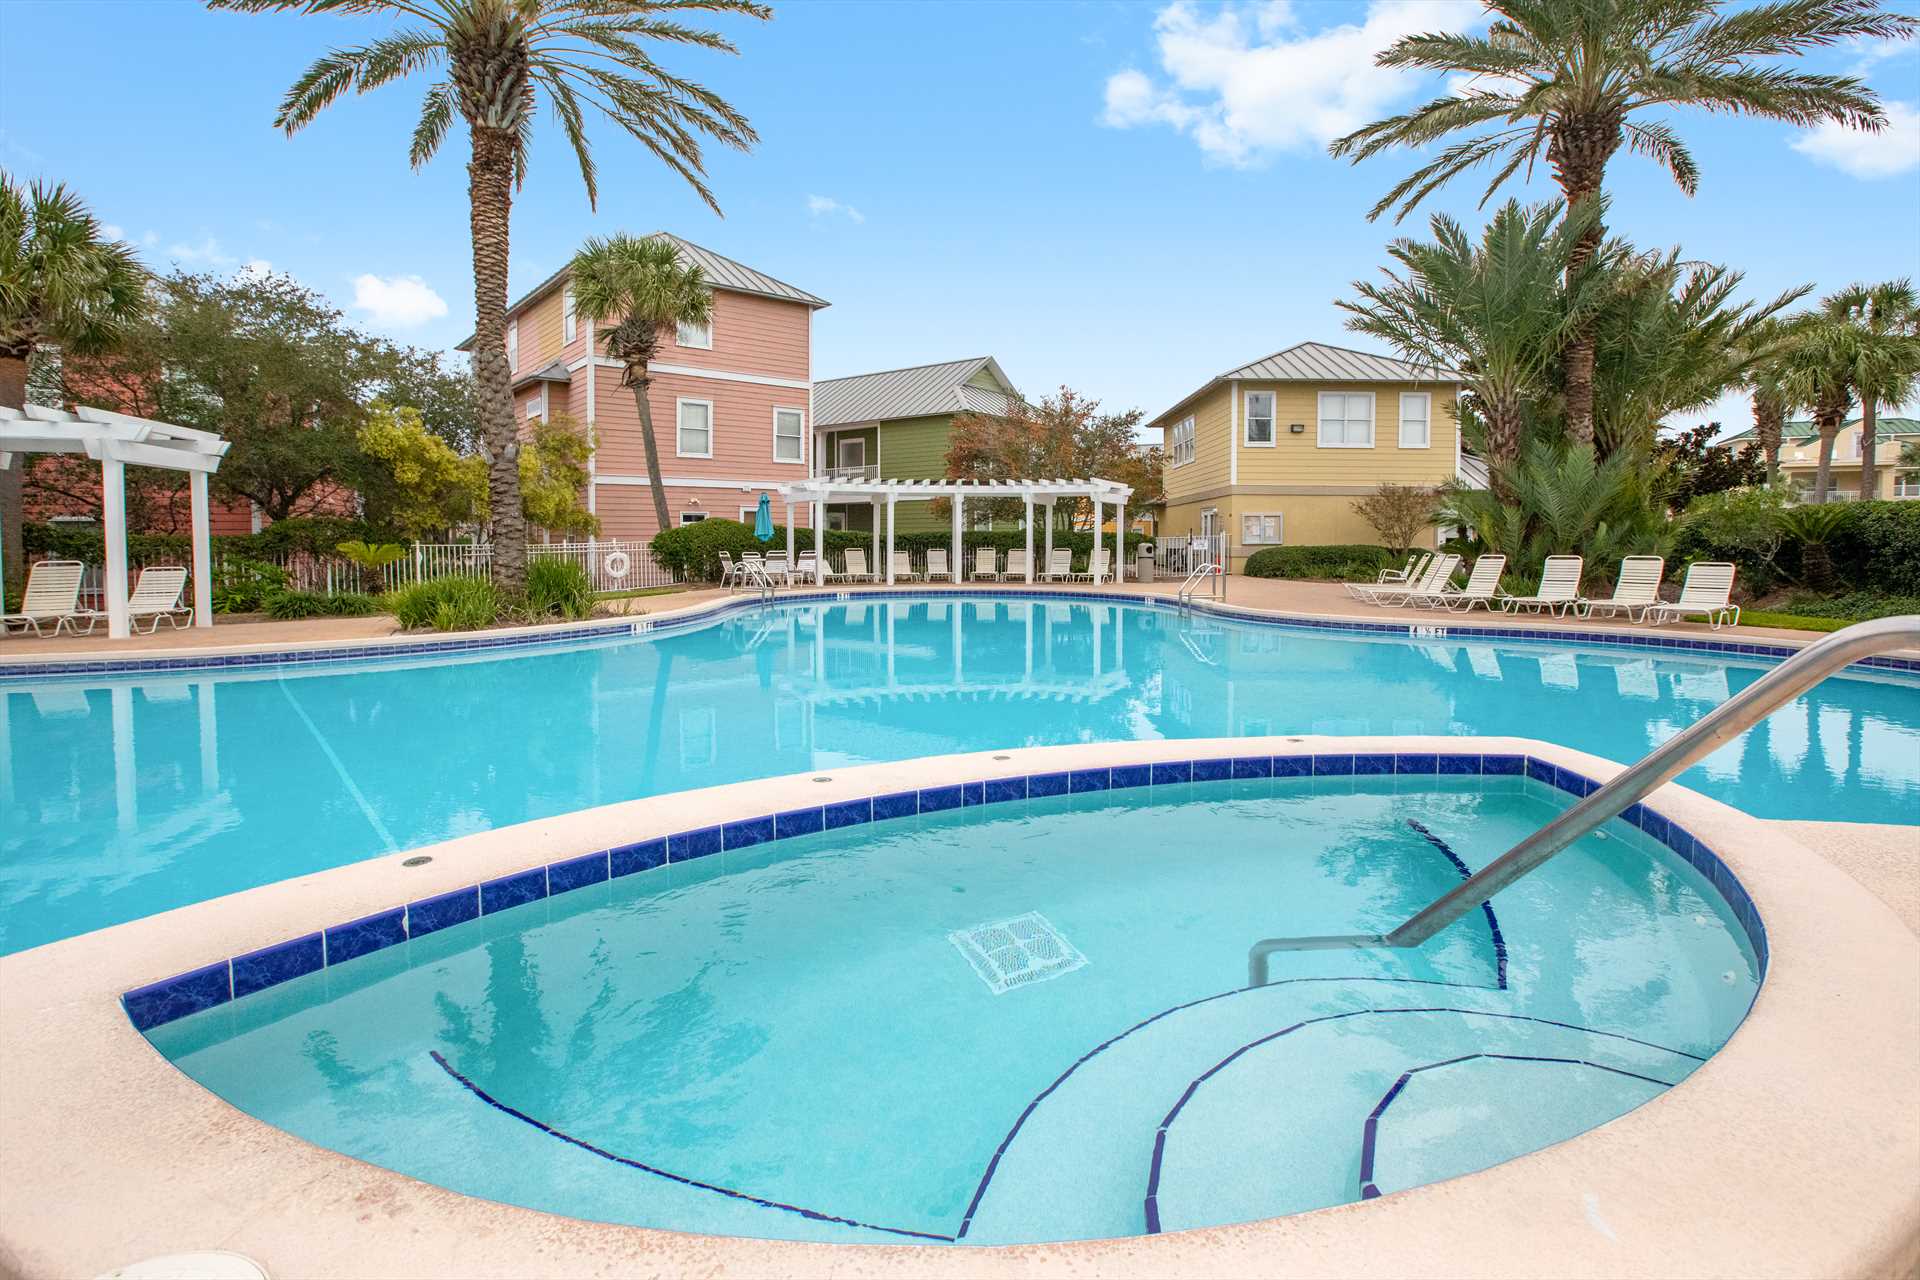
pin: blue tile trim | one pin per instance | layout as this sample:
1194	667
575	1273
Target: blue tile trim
200	989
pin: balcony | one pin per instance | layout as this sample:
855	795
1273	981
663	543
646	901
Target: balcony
870	471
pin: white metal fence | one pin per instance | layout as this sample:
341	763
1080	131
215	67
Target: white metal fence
1177	556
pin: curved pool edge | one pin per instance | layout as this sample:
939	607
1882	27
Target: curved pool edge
1794	1151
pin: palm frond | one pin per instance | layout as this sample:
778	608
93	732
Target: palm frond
1659	143
436	114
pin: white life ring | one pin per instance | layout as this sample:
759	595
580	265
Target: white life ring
617	564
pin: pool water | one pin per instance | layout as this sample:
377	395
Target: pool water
1014	1023
127	796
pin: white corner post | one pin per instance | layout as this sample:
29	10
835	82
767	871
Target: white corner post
1049	536
1027	524
890	505
876	536
202	550
790	535
819	544
953	565
1120	541
113	513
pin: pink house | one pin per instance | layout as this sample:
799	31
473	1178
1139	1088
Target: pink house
731	404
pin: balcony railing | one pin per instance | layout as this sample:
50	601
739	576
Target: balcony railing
871	471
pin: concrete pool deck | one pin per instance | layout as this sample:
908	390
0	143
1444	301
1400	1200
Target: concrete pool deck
1795	1151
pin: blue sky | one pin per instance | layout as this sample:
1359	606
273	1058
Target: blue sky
1123	197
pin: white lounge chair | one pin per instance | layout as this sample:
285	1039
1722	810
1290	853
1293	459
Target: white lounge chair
777	569
727	571
1637	587
52	596
751	571
1559	588
804	568
937	565
1707	589
986	565
1483	586
856	570
1413	571
155	598
1097	570
903	570
1016	570
1059	566
1439	572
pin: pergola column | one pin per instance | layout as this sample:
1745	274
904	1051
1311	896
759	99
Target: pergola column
1120	541
202	550
876	535
890	506
790	534
1027	524
113	516
1049	535
1093	556
953	566
819	544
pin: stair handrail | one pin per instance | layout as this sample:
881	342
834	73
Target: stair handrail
1736	715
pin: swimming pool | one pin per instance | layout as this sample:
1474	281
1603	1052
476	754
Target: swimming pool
128	795
1015	1021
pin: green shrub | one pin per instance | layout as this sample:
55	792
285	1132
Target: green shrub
558	588
242	586
1855	606
287	606
1332	563
1874	548
318	535
1878	547
447	604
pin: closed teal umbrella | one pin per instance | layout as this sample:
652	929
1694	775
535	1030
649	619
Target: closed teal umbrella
763	519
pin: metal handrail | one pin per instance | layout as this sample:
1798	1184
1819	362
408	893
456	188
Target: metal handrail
1728	720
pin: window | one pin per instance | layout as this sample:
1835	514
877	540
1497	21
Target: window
1416	419
749	514
695	436
695	517
787	443
513	347
1346	420
851	454
1261	530
1259	432
700	336
1180	443
568	328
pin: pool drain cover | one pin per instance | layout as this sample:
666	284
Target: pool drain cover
1014	953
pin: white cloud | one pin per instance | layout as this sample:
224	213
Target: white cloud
1893	150
208	253
826	206
1248	81
113	232
402	302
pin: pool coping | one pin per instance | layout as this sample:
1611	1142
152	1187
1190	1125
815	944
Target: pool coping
1794	1151
708	612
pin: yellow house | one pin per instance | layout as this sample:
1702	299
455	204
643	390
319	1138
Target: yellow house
1276	451
1896	469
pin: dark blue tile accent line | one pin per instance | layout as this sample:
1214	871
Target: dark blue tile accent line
1374	765
849	813
940	799
1047	784
644	855
815	1214
178	996
578	873
1002	790
516	890
1458	765
1497	765
684	846
1486	907
899	804
270	966
1416	763
1332	766
1130	775
747	833
431	915
1089	780
1253	766
973	793
366	935
799	822
1216	770
1293	766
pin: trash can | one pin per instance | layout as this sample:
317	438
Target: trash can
1143	562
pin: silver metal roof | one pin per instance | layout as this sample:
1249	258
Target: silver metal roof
910	393
1317	362
555	372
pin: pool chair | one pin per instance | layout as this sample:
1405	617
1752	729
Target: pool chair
805	568
1098	569
1439	572
156	597
1059	566
52	597
1413	571
937	565
777	569
1016	570
903	567
1483	586
727	571
751	571
856	570
1708	590
1559	588
1637	587
986	565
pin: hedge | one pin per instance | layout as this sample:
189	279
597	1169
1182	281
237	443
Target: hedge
316	536
692	551
1336	562
1876	549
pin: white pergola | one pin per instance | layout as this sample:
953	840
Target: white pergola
115	441
821	491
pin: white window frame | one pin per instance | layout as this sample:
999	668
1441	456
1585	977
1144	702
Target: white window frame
1427	398
840	444
1273	416
1181	449
799	437
1321	419
513	346
691	517
694	339
749	514
679	406
569	325
1279	519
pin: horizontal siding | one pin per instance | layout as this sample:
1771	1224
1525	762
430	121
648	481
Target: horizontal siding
626	511
915	448
1298	459
751	334
1208	470
742	435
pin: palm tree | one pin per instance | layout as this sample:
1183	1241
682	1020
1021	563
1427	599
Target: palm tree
490	61
64	284
1816	369
1564	80
1886	359
639	286
1764	380
1499	311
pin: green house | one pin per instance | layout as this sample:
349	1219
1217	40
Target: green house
895	425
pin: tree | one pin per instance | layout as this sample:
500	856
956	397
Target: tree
1764	380
63	283
1064	435
1570	82
1814	528
1885	354
1398	513
431	488
1692	465
1564	500
1499	312
553	475
491	60
639	287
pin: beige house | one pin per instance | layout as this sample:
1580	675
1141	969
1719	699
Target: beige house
1276	451
1896	466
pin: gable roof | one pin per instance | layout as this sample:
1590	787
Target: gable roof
1319	362
918	392
721	272
1796	430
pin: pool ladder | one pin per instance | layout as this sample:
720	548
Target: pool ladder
1727	721
1201	575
